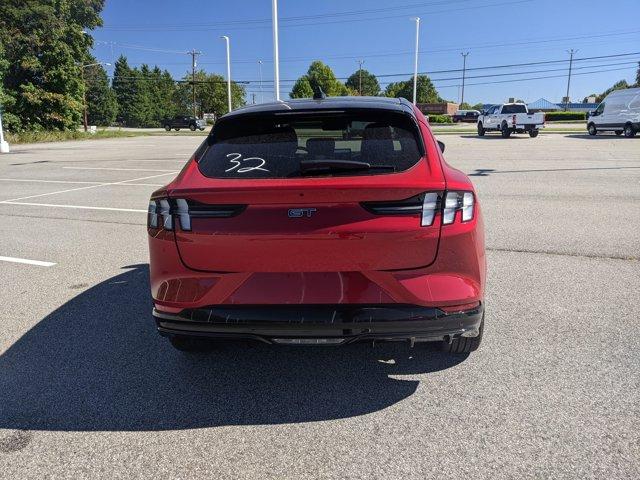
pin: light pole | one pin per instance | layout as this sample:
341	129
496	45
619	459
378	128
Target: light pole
276	56
226	39
415	61
84	92
4	146
464	71
260	73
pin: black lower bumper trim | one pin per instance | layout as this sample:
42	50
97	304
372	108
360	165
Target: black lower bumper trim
321	324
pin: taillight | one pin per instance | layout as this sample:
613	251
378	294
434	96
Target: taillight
455	201
425	204
162	211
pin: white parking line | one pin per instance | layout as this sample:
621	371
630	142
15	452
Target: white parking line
27	261
121	169
81	207
79	182
90	186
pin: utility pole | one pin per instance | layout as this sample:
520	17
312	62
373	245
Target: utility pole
415	61
360	62
276	55
226	39
84	92
464	71
253	96
193	54
570	52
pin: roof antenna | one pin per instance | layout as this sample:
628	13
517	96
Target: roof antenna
318	94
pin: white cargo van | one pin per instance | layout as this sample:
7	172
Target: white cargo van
619	112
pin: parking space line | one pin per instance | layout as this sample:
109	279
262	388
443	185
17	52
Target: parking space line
121	169
79	182
27	261
122	182
81	207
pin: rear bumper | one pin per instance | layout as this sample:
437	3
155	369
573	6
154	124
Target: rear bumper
322	324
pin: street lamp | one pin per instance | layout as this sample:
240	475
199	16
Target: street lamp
84	93
276	55
226	39
415	61
260	72
4	146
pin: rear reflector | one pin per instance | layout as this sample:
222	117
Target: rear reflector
460	308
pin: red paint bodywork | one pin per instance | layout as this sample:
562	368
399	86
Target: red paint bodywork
344	256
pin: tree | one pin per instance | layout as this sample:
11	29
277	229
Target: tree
425	92
321	76
43	44
370	85
124	88
102	105
477	106
465	106
211	94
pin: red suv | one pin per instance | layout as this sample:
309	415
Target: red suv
319	222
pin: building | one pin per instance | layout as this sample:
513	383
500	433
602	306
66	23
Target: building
442	108
544	105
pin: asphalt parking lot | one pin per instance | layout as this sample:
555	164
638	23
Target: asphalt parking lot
87	388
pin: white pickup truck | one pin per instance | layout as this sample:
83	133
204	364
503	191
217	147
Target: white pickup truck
510	118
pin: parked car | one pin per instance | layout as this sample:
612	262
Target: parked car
470	116
509	118
619	112
319	222
184	121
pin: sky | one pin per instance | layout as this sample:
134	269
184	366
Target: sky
382	34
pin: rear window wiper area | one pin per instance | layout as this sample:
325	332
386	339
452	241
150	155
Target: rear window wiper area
310	167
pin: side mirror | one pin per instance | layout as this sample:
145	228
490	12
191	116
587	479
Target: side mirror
441	145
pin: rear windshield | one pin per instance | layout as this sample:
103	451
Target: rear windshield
517	108
274	145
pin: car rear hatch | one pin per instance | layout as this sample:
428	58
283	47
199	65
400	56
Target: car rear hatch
348	192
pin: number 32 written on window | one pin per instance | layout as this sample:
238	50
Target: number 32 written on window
236	160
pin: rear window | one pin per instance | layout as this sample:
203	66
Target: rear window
517	108
273	145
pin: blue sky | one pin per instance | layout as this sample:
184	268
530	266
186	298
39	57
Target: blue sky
495	32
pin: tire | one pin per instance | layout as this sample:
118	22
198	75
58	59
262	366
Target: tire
592	129
481	129
504	131
618	132
192	128
191	344
629	132
463	345
167	128
533	133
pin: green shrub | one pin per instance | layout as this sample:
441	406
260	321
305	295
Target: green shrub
558	116
440	119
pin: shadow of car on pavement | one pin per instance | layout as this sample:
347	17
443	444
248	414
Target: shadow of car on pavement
97	363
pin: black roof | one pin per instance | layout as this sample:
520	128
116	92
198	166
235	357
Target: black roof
330	103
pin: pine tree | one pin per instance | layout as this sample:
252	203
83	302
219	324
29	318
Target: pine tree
123	85
101	100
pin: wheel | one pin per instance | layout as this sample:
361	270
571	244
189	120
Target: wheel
504	131
480	129
618	132
167	128
464	344
592	129
191	344
177	129
533	133
629	131
192	128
